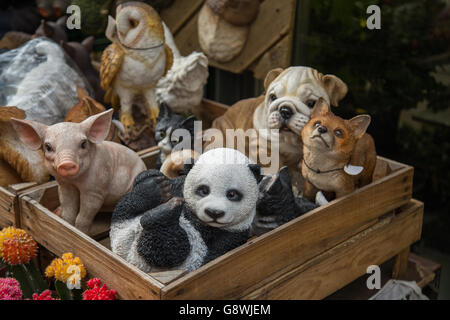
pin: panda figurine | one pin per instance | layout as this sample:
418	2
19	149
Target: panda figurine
185	222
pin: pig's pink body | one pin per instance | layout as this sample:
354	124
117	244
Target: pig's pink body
91	173
110	174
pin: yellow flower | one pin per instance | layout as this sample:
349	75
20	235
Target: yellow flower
63	269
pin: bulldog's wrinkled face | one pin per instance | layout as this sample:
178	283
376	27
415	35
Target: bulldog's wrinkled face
291	97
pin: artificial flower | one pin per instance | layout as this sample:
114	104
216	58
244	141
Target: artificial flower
45	295
65	268
10	289
16	246
97	291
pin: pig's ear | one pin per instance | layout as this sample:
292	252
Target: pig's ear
97	126
31	133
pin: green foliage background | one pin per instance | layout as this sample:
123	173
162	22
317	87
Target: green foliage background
387	71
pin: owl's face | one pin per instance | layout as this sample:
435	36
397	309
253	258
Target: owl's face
139	25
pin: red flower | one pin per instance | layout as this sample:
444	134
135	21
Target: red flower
45	295
98	293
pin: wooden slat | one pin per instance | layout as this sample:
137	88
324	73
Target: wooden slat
274	21
207	111
7	200
59	237
279	56
178	13
149	156
293	243
335	268
166	277
400	264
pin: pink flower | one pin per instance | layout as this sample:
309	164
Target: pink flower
10	289
45	295
98	293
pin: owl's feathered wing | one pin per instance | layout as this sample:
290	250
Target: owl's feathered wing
111	63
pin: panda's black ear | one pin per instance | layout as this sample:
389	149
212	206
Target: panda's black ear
256	170
188	165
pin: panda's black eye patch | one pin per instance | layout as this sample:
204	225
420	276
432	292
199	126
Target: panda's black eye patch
234	195
202	191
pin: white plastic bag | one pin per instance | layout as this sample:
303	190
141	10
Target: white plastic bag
400	290
40	79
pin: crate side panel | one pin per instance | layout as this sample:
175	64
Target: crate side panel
7	208
343	264
59	237
293	243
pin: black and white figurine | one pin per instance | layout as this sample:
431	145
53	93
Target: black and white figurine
167	123
277	204
210	212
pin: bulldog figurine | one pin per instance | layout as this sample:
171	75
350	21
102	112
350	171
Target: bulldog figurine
290	95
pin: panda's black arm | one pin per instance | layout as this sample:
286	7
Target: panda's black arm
150	189
163	243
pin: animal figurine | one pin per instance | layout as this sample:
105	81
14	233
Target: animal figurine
80	54
87	107
91	173
223	27
285	107
174	165
167	123
38	79
17	162
50	8
338	154
277	204
133	64
52	30
185	222
182	87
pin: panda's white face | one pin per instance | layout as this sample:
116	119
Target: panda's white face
222	195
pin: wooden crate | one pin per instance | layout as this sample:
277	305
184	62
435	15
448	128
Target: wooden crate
260	54
307	258
207	111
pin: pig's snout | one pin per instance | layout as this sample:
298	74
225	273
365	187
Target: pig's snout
67	168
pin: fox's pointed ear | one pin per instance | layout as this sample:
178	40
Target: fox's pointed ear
360	124
272	75
321	108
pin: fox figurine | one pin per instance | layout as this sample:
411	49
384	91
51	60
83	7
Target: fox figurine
338	154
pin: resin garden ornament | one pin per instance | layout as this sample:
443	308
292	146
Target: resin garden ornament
91	173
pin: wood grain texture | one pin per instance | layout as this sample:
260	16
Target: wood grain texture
335	268
207	111
295	242
166	277
7	203
279	56
401	264
274	21
179	13
59	237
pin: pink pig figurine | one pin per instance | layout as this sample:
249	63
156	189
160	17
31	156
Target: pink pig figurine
91	173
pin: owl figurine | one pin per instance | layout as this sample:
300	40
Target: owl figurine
135	61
